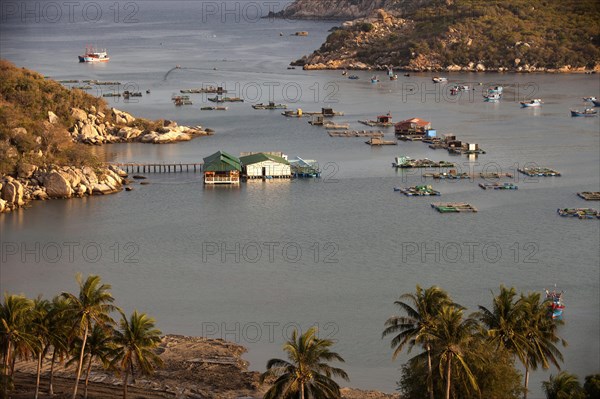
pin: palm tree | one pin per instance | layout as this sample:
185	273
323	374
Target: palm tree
540	332
452	338
99	346
504	323
93	304
15	314
60	322
40	330
563	386
421	308
134	343
307	374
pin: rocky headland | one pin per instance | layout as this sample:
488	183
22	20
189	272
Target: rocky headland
454	35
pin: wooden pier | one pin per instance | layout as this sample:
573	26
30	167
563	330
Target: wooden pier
135	167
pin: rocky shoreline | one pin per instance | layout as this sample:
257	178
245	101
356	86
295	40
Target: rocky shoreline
93	127
194	368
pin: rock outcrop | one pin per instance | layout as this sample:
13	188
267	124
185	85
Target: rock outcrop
95	128
58	182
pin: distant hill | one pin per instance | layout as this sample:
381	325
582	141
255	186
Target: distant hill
522	35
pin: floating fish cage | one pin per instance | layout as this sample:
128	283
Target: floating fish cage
581	213
590	196
418	191
453	207
539	172
498	186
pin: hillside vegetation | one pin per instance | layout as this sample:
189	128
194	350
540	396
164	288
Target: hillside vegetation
26	134
460	34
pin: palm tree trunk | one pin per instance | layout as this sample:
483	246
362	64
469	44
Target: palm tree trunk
80	363
526	380
302	391
429	373
51	388
6	362
125	377
37	378
87	376
448	377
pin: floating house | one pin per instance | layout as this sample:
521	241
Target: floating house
414	126
265	165
222	168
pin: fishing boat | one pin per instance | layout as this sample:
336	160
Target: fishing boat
374	79
585	112
344	73
353	77
439	79
555	304
496	89
391	72
536	102
491	97
589	99
93	55
394	77
382	120
596	103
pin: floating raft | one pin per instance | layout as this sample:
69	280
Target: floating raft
498	186
226	99
453	207
336	126
418	191
581	213
376	123
421	163
539	172
590	196
449	176
377	141
214	108
354	133
204	90
269	106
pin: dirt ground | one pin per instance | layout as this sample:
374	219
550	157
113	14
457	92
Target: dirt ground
194	368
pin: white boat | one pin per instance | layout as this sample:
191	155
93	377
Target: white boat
589	99
439	79
536	102
93	55
492	97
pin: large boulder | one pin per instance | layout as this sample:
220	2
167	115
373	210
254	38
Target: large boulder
122	118
26	170
78	114
12	192
52	118
57	186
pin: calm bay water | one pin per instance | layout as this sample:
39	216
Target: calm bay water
249	263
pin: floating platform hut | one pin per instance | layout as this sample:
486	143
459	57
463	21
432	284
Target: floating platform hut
539	172
304	167
453	207
419	191
381	121
407	162
377	141
590	196
581	213
498	186
265	165
218	99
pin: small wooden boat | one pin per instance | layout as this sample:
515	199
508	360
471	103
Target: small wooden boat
536	102
596	103
585	112
353	77
491	97
374	79
214	108
439	79
394	77
589	99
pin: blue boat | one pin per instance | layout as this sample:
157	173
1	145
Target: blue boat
586	112
353	77
596	103
555	304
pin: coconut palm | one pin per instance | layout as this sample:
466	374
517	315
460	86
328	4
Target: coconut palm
40	330
60	324
134	343
421	309
99	346
15	314
563	386
452	337
93	304
541	334
306	375
504	323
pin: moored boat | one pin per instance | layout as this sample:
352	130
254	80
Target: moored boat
589	99
555	304
439	79
596	103
585	112
536	102
374	79
93	55
353	77
491	97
